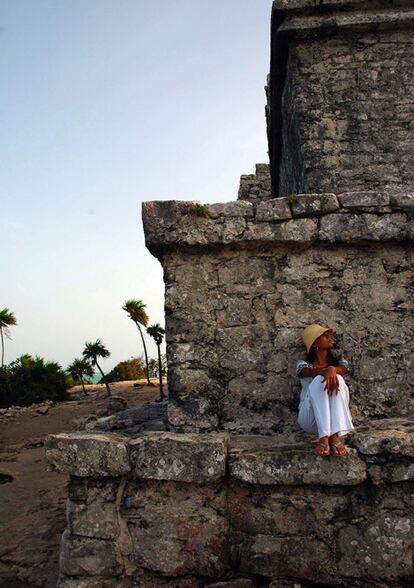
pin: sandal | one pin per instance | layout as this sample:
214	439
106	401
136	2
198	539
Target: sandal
338	449
322	449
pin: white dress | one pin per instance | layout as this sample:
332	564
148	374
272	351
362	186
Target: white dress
320	413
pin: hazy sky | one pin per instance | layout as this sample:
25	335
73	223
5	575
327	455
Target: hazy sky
105	104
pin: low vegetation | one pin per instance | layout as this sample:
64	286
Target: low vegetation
31	380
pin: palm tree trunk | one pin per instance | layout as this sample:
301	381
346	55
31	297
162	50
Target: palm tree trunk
2	347
160	372
108	390
83	385
146	355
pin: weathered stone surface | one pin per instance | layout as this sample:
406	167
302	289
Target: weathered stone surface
351	227
273	210
81	556
299	557
187	457
236	583
313	204
391	472
145	579
380	548
294	465
235	322
386	436
187	520
331	126
236	209
96	582
304	230
403	200
134	419
83	454
256	187
97	519
363	199
194	414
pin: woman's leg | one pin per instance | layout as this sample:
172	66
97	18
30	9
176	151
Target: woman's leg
319	401
331	413
341	420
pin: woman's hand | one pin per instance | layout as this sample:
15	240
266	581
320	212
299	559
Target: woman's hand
331	381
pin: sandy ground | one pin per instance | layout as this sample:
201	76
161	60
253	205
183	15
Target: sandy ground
33	500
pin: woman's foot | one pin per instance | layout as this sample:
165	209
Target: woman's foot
323	448
338	449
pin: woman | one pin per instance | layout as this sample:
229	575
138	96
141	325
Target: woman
324	399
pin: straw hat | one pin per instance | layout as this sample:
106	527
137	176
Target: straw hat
311	333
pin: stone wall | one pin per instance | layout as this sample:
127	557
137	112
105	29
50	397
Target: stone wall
243	280
256	187
341	96
229	511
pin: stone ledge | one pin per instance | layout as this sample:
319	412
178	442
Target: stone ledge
87	455
383	450
394	436
273	463
187	457
301	218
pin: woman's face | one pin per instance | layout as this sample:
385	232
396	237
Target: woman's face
324	341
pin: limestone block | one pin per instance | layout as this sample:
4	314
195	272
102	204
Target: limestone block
197	458
97	519
293	465
81	556
145	579
94	582
363	199
184	531
391	472
378	548
303	230
236	583
402	200
233	230
350	227
299	557
88	455
192	414
313	204
242	348
175	545
275	209
239	208
390	436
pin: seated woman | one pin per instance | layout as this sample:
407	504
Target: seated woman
324	398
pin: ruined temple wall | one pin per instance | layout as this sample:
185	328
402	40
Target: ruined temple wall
348	106
193	510
341	96
235	320
243	281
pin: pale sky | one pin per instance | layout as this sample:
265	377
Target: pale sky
106	104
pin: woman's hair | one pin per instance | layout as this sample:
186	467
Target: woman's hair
332	358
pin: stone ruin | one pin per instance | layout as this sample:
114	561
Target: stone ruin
217	486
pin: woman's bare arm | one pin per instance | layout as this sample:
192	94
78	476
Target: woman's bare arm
312	372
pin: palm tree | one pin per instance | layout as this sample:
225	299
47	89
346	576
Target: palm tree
157	333
136	311
7	319
80	368
92	351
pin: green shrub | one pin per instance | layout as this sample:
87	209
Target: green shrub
31	380
132	369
